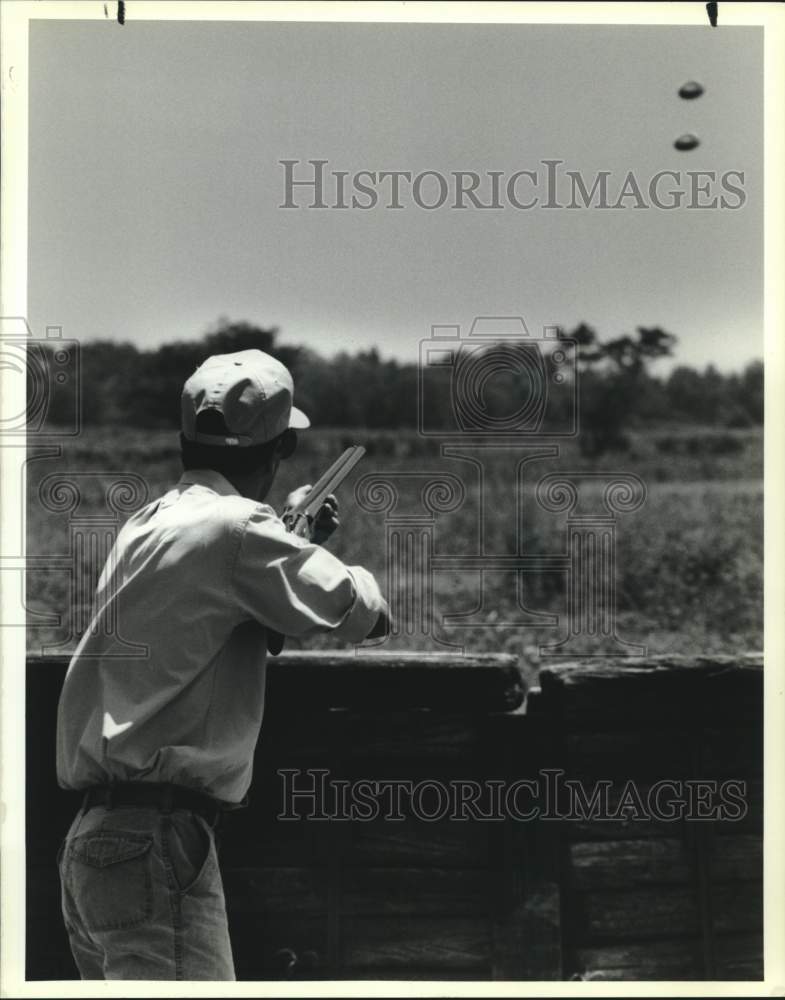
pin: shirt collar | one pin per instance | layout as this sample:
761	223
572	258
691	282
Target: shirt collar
209	478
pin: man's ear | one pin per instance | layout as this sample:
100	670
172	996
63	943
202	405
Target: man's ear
287	443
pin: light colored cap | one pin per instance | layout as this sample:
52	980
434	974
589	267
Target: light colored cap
251	390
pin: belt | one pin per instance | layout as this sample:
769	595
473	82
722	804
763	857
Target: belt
146	793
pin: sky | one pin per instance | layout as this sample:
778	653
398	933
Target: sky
155	181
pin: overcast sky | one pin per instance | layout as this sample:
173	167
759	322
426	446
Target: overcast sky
155	181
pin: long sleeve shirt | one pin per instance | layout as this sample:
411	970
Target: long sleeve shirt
194	581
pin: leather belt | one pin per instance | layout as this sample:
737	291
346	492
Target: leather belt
165	797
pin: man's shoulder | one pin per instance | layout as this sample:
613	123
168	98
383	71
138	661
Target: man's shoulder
187	507
231	512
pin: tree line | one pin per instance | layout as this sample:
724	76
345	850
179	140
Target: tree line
120	384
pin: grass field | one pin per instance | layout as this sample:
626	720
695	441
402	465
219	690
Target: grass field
689	560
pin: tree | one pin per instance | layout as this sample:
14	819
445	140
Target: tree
122	385
227	336
613	381
751	391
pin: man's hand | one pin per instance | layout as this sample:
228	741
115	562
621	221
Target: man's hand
323	524
326	521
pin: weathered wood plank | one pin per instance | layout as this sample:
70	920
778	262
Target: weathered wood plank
735	858
418	900
478	682
248	839
625	864
629	863
394	973
672	690
245	843
363	891
626	754
729	671
658	753
474	682
617	915
680	959
377	892
738	906
357	737
414	892
414	843
730	751
265	891
738	956
526	926
527	937
405	944
661	911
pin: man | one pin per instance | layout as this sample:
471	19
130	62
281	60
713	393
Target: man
161	744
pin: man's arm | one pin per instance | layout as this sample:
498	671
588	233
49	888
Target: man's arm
297	588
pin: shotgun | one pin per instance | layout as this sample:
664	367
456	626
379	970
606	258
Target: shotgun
298	519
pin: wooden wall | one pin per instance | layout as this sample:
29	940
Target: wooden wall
652	897
408	899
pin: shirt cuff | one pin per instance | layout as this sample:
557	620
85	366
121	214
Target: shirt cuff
367	606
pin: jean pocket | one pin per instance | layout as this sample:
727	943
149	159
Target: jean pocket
110	879
189	847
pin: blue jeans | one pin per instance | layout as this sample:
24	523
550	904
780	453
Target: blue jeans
142	896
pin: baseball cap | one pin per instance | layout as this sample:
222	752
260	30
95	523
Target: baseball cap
250	389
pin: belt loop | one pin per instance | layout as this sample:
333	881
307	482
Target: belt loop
166	799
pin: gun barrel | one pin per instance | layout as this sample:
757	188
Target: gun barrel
328	483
